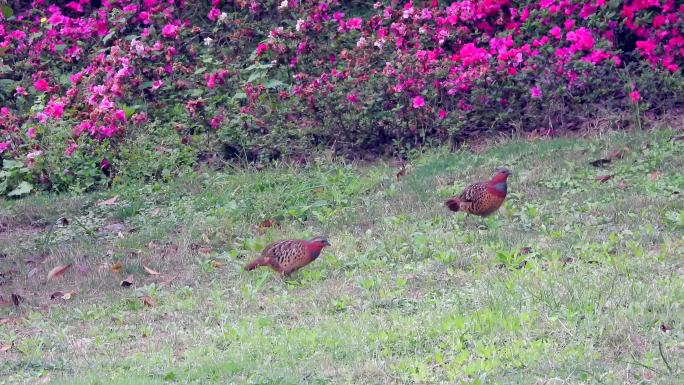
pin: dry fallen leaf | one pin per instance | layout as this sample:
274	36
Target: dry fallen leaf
216	264
6	347
205	250
167	280
317	190
62	295
149	301
268	223
109	202
616	154
205	238
127	282
117	266
154	212
58	271
654	175
150	271
664	328
604	178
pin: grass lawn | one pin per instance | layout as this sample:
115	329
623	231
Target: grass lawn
574	281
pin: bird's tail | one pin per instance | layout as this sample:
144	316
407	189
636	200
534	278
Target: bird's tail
453	204
262	261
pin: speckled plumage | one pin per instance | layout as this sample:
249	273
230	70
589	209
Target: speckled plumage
482	198
289	255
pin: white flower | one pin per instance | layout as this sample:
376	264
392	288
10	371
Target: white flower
208	41
362	42
283	5
223	17
299	25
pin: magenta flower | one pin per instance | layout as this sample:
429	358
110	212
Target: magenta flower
352	98
635	96
74	6
556	32
214	14
31	132
442	113
70	149
156	84
120	115
535	92
418	102
261	48
354	23
41	85
20	91
4	146
170	31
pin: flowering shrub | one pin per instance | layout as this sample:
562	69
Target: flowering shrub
106	87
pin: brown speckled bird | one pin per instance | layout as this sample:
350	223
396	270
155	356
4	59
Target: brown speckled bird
482	198
289	255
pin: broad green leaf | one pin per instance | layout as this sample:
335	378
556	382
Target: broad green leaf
256	75
129	111
4	49
145	85
9	164
240	95
7	11
274	83
23	189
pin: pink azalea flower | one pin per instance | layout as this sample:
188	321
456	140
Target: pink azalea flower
261	48
156	84
354	23
20	91
214	14
535	92
31	132
635	96
556	32
70	149
352	98
216	121
4	146
41	85
74	6
569	24
120	115
442	114
170	31
418	102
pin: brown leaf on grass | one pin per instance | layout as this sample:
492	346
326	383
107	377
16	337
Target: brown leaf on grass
149	301
109	202
62	295
205	238
616	154
402	172
117	267
57	272
127	282
150	271
654	175
268	223
13	321
664	328
604	178
154	212
525	250
167	280
216	264
6	347
318	190
205	250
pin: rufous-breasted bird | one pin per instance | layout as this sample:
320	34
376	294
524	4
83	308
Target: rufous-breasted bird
482	198
289	255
